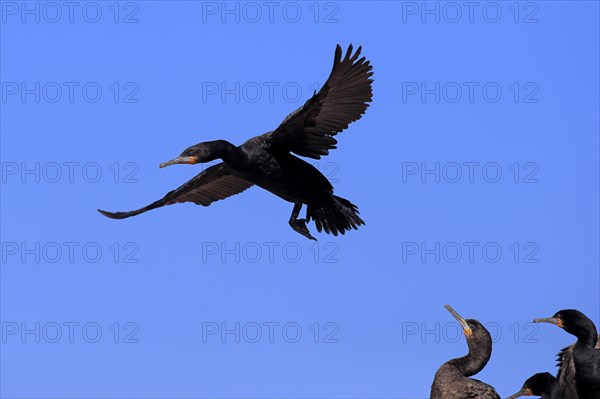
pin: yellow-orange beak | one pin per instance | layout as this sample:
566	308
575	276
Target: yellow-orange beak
552	320
522	392
180	160
463	323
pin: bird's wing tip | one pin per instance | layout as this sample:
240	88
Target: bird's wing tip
111	215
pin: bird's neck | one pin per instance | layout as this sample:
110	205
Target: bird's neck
226	151
478	356
553	391
586	334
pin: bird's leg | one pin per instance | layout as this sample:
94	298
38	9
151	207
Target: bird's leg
299	225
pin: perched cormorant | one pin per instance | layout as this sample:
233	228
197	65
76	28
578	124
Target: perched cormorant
579	364
452	378
267	160
566	371
544	385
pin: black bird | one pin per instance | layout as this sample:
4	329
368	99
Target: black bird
452	378
566	371
267	160
579	364
544	385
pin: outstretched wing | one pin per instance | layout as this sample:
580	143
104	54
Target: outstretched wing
213	184
566	371
343	99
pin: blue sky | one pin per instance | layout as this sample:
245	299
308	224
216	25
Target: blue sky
475	170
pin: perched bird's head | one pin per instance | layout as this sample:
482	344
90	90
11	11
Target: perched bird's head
199	153
472	328
571	320
538	384
479	342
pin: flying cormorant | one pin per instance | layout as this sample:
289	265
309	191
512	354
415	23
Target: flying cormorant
267	160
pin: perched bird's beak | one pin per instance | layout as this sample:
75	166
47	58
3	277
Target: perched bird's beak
461	321
522	392
188	160
551	320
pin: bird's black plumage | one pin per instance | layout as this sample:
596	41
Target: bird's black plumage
267	160
544	385
343	99
566	370
579	364
452	378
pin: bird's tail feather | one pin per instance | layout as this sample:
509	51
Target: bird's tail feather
340	217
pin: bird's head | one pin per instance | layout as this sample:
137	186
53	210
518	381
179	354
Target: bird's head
199	153
473	329
571	320
538	384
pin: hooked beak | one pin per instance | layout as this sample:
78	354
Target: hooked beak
522	392
178	160
463	323
552	320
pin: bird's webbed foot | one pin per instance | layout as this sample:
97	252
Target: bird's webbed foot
299	225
